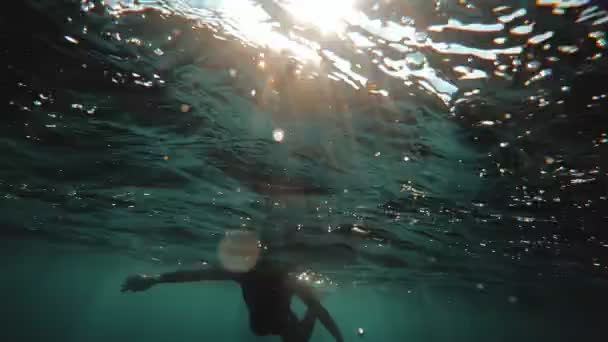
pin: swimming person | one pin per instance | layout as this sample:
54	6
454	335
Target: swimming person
267	291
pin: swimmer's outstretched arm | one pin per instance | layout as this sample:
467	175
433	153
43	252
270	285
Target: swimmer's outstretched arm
307	296
141	282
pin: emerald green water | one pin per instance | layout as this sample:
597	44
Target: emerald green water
60	294
442	163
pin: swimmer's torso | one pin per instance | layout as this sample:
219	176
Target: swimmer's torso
268	299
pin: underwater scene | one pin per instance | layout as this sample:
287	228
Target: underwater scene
304	170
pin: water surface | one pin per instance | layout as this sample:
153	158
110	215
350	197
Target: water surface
433	159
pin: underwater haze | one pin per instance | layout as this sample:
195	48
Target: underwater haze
439	167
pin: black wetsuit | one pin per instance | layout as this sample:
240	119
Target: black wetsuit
267	291
268	301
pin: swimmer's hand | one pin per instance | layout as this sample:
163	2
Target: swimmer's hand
139	282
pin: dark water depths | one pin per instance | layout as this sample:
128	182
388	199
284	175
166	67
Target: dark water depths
383	144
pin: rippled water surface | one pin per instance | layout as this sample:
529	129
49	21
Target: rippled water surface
448	151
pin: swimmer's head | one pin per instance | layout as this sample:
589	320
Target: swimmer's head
238	251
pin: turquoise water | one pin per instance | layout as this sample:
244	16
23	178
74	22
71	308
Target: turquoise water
441	164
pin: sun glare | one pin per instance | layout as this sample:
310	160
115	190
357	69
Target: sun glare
327	15
250	22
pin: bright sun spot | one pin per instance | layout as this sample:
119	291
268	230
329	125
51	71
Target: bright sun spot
327	15
250	22
278	135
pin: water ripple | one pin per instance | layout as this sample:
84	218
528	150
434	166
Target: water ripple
432	138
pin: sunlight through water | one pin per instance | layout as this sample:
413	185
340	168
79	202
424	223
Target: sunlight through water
402	140
448	54
358	44
328	16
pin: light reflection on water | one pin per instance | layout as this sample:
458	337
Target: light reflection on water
366	146
400	47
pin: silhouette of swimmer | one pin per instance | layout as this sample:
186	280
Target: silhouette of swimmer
267	291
